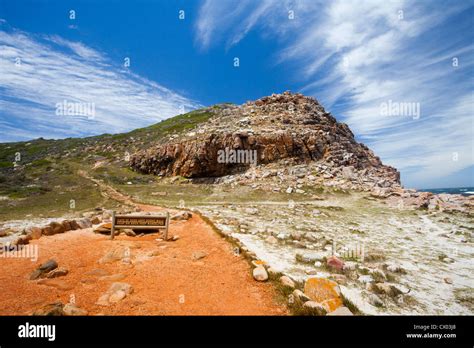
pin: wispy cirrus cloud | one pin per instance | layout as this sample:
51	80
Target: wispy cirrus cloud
37	72
356	55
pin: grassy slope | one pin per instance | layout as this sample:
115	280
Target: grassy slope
46	179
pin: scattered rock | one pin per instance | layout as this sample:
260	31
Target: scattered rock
129	232
96	220
375	300
300	296
175	238
43	269
56	227
116	292
71	309
182	216
197	255
74	225
395	269
314	308
287	282
47	231
103	228
333	262
387	289
339	278
448	280
33	232
260	274
52	309
84	223
447	260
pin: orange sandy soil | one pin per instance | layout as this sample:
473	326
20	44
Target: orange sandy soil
170	283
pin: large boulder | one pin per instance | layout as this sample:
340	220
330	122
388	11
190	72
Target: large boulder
323	291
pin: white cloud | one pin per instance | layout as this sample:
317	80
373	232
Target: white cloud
354	55
53	69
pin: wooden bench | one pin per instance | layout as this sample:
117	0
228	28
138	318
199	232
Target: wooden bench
142	222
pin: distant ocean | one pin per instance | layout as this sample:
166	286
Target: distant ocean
465	191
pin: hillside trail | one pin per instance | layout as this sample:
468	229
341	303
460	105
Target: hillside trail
198	274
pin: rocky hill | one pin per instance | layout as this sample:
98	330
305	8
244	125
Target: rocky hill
286	129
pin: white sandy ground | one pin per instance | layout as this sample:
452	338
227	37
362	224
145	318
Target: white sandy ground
413	241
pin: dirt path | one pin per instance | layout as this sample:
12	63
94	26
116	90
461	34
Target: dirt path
167	277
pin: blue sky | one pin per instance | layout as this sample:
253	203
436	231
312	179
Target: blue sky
353	56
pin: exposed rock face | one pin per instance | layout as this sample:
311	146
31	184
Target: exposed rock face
271	129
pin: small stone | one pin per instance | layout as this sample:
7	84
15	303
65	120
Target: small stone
115	293
375	300
197	255
117	296
260	274
56	227
314	308
175	238
287	282
95	220
43	269
300	296
387	289
339	278
334	262
103	300
129	232
71	309
448	260
84	223
182	216
395	269
448	280
52	309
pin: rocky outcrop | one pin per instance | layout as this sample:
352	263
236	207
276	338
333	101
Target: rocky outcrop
271	129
